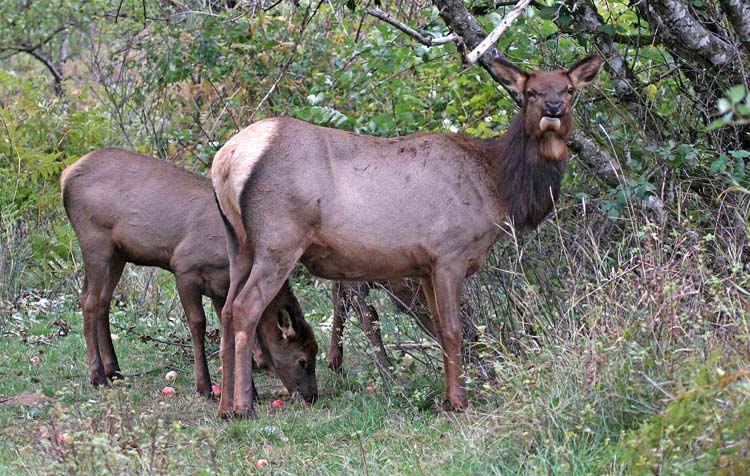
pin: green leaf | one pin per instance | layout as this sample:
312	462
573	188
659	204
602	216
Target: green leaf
607	30
740	154
737	93
724	105
548	13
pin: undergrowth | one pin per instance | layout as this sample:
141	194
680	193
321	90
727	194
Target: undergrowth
598	349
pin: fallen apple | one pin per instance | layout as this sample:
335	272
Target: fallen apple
168	391
216	390
371	389
35	360
261	463
277	403
63	439
114	337
171	375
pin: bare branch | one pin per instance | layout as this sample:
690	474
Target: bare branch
595	158
425	40
495	4
490	40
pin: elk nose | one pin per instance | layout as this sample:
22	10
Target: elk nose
554	108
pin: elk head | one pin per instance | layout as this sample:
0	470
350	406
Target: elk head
289	348
547	99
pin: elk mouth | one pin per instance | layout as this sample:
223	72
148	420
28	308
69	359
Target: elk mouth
549	123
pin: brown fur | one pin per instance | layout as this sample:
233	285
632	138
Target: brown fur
126	207
354	207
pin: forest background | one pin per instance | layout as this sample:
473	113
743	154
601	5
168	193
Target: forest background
613	340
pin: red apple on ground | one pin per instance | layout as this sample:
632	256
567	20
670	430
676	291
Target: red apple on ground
168	391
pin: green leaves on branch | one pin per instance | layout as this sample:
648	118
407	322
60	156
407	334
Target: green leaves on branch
734	108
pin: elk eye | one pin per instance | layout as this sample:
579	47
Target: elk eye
302	363
531	93
571	90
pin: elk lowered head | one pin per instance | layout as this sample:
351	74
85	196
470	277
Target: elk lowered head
289	347
547	99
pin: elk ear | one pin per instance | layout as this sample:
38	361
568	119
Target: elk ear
284	322
584	72
509	74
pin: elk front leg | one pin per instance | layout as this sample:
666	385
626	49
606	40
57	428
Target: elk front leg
443	292
191	299
336	349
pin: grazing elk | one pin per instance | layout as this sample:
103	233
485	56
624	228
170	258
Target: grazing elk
130	208
354	207
405	297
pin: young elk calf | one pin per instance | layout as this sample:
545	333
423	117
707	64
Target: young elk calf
354	207
130	208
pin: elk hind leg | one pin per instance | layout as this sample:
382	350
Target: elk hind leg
96	271
104	333
265	281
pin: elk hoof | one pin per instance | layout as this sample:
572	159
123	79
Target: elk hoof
208	395
116	375
335	362
98	380
450	407
244	414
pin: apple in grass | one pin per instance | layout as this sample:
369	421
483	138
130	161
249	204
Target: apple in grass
171	375
277	403
168	391
261	463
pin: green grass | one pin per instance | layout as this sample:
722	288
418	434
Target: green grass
511	428
621	385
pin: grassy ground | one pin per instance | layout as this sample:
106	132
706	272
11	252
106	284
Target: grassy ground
131	428
637	363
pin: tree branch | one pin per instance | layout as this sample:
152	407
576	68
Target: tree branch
472	57
425	40
627	86
684	34
494	5
738	13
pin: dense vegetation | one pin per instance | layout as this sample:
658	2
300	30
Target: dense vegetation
613	340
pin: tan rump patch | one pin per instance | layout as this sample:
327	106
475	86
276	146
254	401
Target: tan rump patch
70	168
234	163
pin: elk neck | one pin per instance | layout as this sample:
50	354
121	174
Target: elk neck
527	172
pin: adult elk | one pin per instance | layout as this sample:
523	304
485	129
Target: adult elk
130	208
354	207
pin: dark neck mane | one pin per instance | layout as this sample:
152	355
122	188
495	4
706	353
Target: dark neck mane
527	183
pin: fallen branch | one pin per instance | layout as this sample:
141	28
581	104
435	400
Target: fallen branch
425	40
490	40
